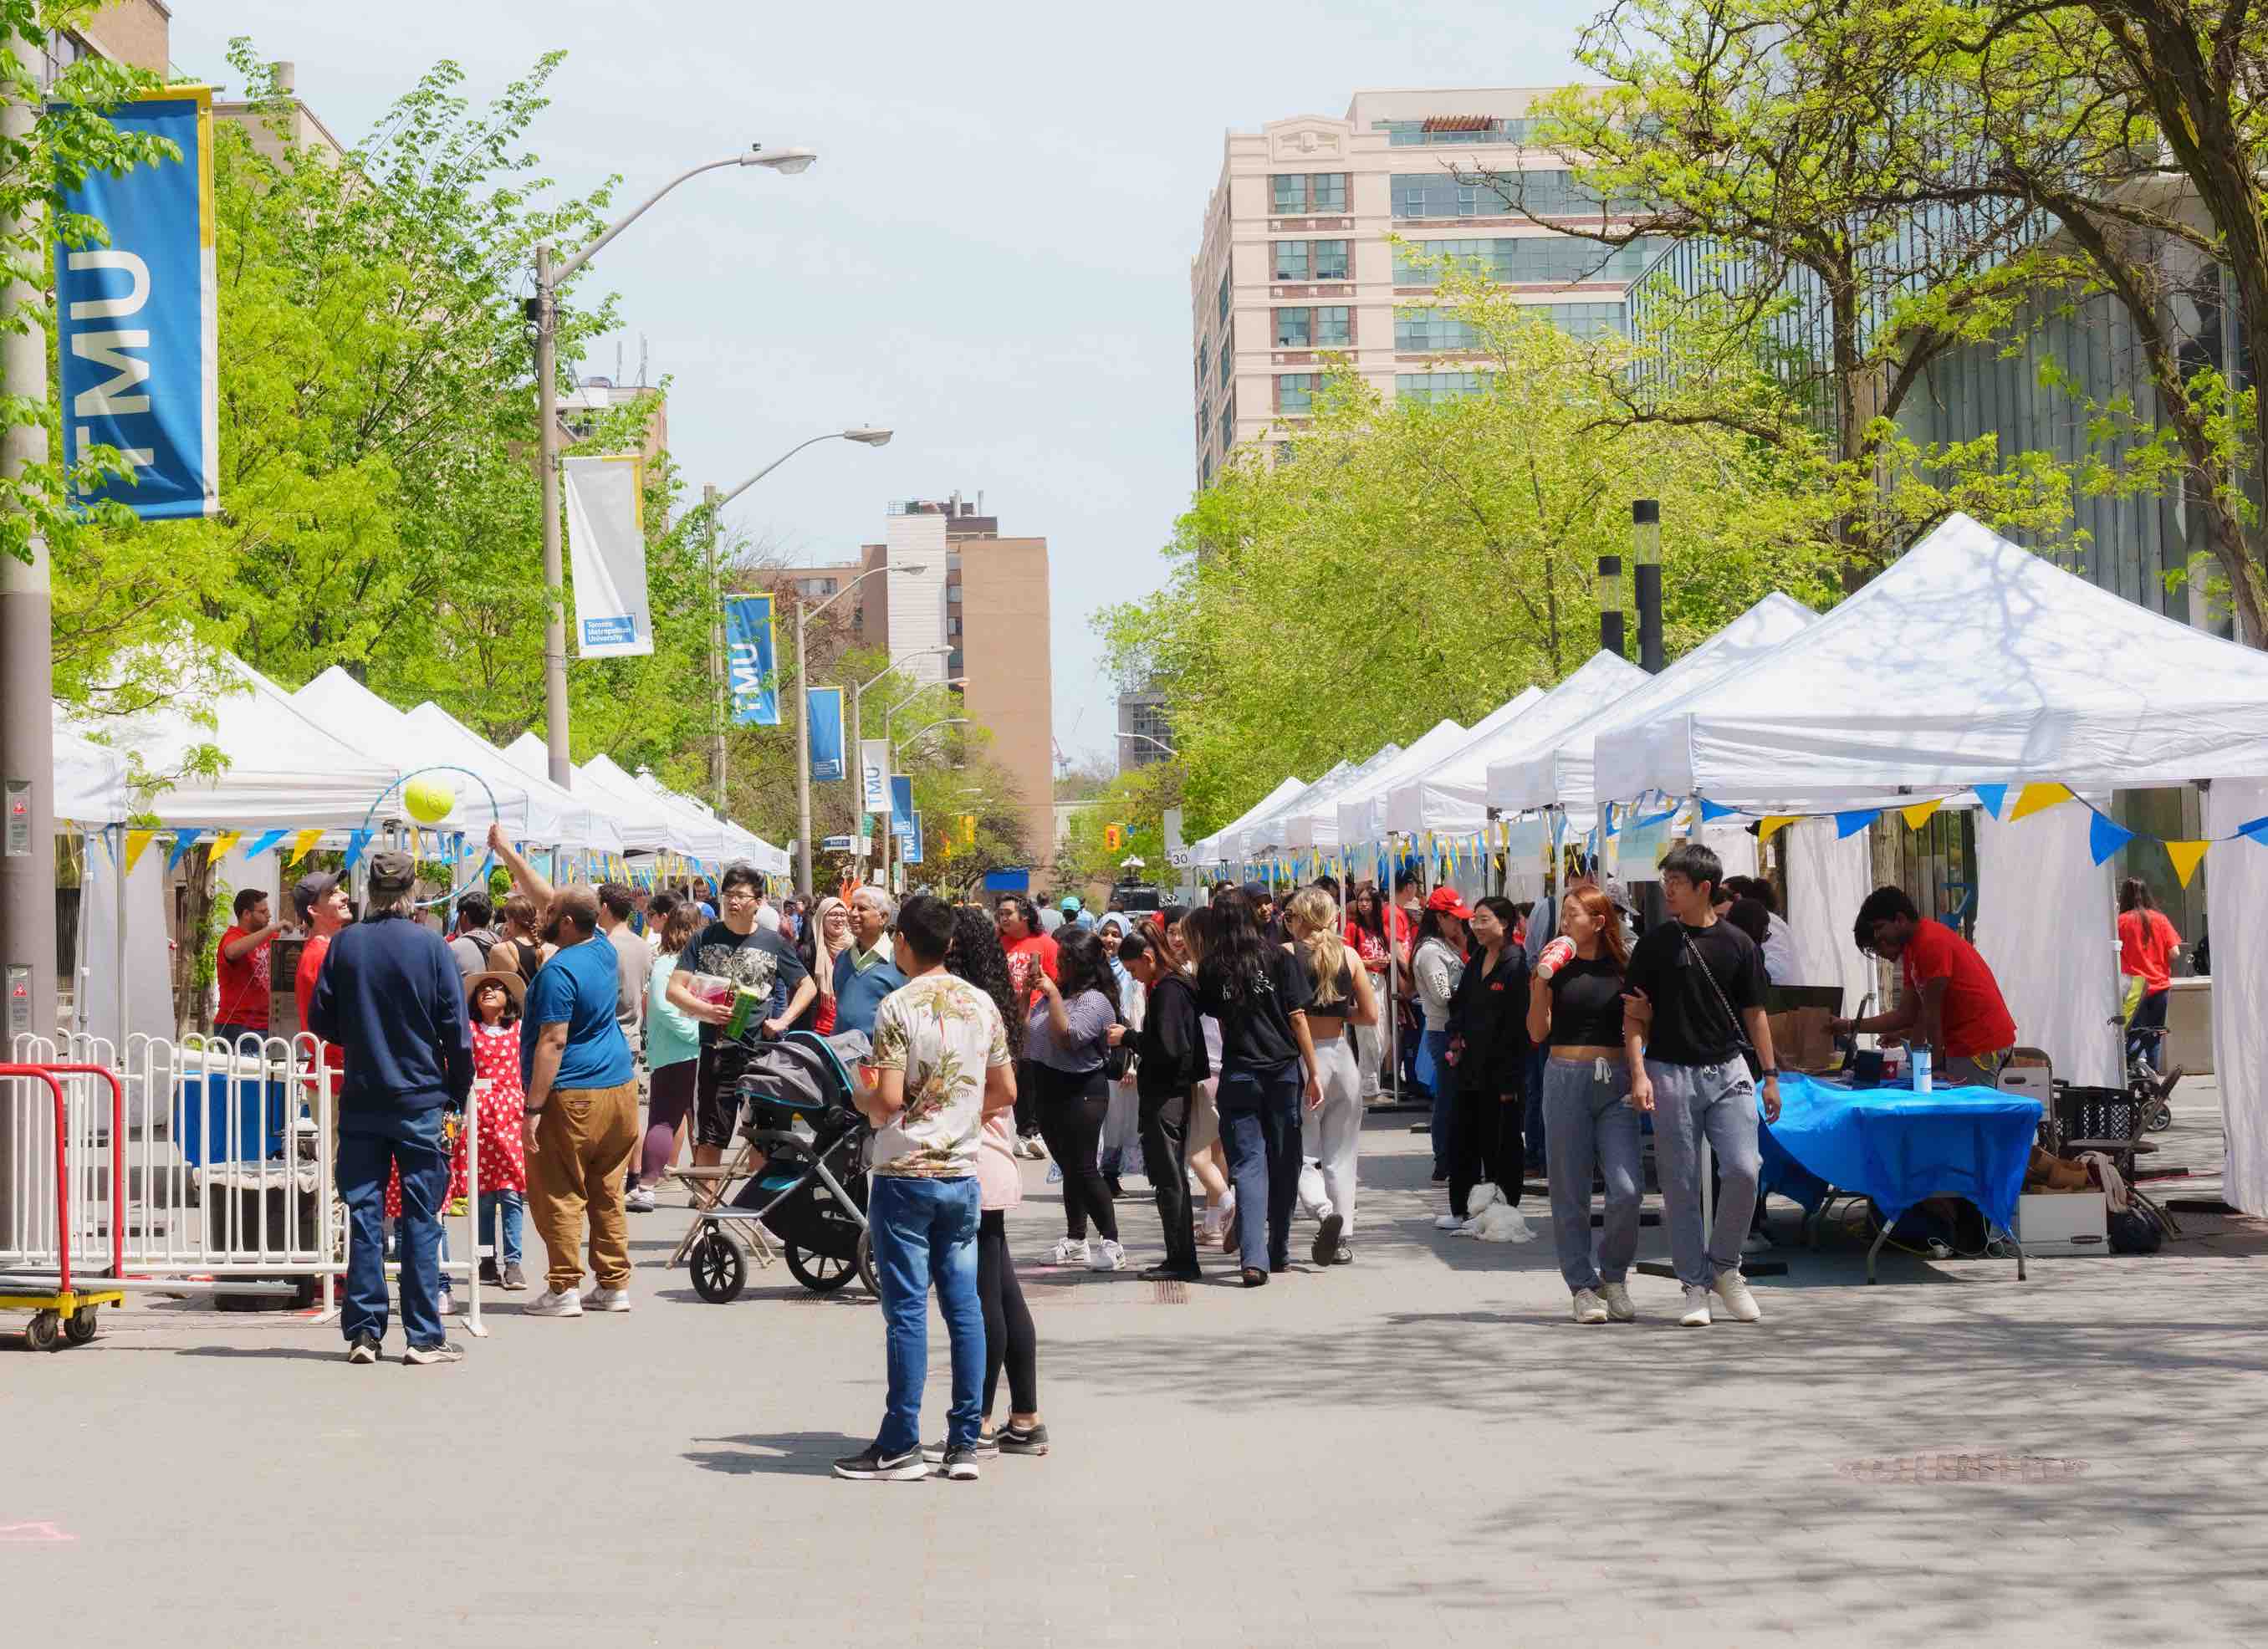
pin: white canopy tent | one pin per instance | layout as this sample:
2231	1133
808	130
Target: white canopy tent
740	841
1558	772
1272	830
689	832
1209	851
280	767
90	778
1362	810
1313	824
1238	842
556	816
1452	798
646	827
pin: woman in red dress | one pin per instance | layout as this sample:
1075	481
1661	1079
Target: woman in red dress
497	1098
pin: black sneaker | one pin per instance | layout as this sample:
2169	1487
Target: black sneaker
873	1466
986	1445
961	1465
489	1274
1254	1276
447	1351
363	1349
1167	1272
1327	1238
1014	1439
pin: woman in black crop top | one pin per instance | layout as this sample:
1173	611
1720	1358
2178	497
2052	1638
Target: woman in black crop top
1575	1005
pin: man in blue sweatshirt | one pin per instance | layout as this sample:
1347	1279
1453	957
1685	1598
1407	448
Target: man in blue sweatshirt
391	996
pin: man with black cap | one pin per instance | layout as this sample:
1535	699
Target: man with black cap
389	993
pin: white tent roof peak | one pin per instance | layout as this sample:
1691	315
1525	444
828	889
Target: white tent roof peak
1211	850
555	815
1969	661
1267	831
1559	772
1315	823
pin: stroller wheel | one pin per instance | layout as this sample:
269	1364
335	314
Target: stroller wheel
719	1269
2160	1116
820	1273
867	1264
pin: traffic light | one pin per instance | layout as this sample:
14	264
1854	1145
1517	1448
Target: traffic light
1113	836
968	829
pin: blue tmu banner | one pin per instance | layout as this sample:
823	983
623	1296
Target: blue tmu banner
138	319
902	805
749	660
823	714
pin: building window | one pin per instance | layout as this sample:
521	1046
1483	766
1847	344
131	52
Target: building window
1224	296
1291	260
813	589
1446	130
1303	194
1295	392
1228	424
1330	259
1295	328
1333	327
1588	321
1427	331
1439	194
1224	360
1530	260
952	627
1435	387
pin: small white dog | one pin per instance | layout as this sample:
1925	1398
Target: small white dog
1489	1219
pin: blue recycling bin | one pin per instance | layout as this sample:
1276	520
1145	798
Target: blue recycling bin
203	1105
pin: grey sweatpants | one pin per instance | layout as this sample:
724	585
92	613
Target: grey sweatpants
1588	1122
1720	1103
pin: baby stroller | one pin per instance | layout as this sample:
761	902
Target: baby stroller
810	1194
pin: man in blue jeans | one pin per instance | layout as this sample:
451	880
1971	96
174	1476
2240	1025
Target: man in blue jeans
940	1068
390	995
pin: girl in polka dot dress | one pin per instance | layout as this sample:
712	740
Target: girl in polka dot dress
495	998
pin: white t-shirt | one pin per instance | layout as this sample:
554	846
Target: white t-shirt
1779	950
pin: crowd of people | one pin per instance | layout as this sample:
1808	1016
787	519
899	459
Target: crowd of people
1230	1047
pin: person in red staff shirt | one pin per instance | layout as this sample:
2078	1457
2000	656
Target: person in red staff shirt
2147	942
240	967
1951	1003
321	901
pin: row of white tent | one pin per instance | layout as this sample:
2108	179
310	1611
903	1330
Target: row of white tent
322	758
1968	662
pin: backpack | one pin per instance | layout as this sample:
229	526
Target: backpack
484	940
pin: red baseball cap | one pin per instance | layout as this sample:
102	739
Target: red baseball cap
1445	899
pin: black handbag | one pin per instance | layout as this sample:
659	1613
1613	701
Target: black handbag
1117	1062
1754	1060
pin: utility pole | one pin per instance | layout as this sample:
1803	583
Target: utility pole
716	651
802	758
546	306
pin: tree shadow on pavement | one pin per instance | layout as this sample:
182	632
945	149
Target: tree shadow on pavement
783	1453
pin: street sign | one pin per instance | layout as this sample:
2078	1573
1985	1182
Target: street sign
1178	858
838	844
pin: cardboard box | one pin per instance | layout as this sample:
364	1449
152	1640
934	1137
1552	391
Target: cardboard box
2069	1222
1801	1040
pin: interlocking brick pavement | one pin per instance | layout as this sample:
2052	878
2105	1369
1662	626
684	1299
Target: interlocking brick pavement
1420	1448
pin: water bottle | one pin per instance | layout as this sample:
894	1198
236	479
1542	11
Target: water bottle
1921	1070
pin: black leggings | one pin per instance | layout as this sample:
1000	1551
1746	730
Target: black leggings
1488	1145
1070	1108
1008	1334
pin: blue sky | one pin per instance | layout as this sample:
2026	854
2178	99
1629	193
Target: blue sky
991	256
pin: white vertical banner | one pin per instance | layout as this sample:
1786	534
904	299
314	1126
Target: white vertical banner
873	775
606	535
2236	887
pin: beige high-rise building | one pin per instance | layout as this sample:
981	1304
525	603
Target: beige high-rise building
1294	265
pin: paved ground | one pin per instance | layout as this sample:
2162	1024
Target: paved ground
1420	1449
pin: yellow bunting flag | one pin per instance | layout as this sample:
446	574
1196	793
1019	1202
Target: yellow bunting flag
2185	856
1916	815
223	841
138	843
2038	798
1769	827
303	844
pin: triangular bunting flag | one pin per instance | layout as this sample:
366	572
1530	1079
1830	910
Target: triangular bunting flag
2106	836
1772	826
264	841
2038	798
2185	856
138	843
223	840
302	844
356	843
1991	796
183	841
1916	815
1711	810
2257	828
1849	824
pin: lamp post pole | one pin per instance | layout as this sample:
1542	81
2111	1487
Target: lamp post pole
890	760
859	726
1646	577
803	617
927	728
1610	604
542	310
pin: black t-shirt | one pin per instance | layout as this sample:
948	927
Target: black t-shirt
1586	1004
755	961
1690	1028
1256	1024
1342	1004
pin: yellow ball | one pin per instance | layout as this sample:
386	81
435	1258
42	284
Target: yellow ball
429	800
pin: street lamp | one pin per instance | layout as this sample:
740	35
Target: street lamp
890	760
1160	743
858	726
711	505
543	310
803	617
926	727
1645	535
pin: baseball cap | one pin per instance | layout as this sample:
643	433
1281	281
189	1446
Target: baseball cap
1444	901
1070	903
392	870
1258	890
309	889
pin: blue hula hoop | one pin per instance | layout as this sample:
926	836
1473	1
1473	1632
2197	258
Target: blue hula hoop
479	877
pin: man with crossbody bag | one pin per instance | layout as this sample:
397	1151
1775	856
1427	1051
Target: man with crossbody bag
1697	1042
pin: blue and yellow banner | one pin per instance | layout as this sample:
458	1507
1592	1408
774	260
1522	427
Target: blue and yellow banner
823	715
749	661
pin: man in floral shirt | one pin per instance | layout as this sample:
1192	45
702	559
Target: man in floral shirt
941	1067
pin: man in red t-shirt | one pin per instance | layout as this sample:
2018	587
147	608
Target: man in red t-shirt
1951	1003
321	901
240	966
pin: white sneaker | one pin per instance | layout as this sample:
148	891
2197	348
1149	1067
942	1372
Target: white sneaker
1069	1252
1447	1222
547	1304
639	1201
1108	1256
1697	1309
1589	1307
1756	1242
1733	1289
1032	1148
606	1300
1616	1296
